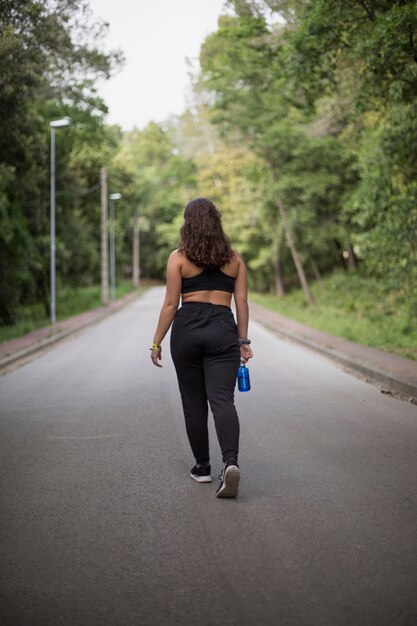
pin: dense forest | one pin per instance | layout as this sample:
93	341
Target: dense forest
301	127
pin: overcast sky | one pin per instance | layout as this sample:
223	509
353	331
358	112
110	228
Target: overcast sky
156	36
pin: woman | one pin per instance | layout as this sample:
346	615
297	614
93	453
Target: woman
206	343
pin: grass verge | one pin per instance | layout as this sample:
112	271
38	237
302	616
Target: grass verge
354	307
70	301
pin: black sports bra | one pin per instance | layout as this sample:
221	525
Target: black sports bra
208	280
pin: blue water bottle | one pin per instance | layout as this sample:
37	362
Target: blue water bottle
243	381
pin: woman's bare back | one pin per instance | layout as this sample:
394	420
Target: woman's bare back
214	296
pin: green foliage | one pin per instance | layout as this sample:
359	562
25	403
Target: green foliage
49	61
385	201
244	64
353	306
234	179
327	100
13	249
70	301
236	65
156	183
378	40
376	37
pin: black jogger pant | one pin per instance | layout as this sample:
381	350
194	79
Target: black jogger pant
206	354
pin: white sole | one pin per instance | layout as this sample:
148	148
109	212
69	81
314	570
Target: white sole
230	486
202	479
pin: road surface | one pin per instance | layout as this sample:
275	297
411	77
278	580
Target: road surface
101	524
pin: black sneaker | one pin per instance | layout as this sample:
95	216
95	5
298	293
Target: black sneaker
230	477
202	474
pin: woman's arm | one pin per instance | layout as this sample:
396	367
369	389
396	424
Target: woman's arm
242	308
170	305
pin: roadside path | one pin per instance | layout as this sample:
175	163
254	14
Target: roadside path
22	347
396	374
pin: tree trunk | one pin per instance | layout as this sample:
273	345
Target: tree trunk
315	269
7	313
279	278
294	252
278	270
340	250
216	180
352	261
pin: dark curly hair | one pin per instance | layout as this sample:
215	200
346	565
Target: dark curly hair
203	240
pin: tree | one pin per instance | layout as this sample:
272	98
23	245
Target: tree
376	37
157	182
239	65
49	61
368	49
326	97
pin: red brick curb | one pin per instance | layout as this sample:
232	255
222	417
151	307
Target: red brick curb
397	373
15	349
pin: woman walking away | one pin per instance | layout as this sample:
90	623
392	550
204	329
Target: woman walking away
206	343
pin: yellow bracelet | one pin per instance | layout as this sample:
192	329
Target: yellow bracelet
155	346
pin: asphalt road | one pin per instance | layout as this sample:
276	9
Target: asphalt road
101	524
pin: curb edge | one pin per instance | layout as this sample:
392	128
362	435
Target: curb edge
372	374
48	341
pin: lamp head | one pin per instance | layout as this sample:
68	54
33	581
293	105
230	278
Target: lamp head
65	121
115	196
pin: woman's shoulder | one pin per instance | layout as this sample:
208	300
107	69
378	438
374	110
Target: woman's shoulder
237	262
237	258
176	254
179	259
175	258
232	266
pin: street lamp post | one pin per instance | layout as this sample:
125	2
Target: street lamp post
54	124
113	197
136	257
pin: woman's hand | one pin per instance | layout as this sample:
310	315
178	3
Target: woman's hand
156	355
245	352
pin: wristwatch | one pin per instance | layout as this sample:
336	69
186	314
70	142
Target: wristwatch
244	342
